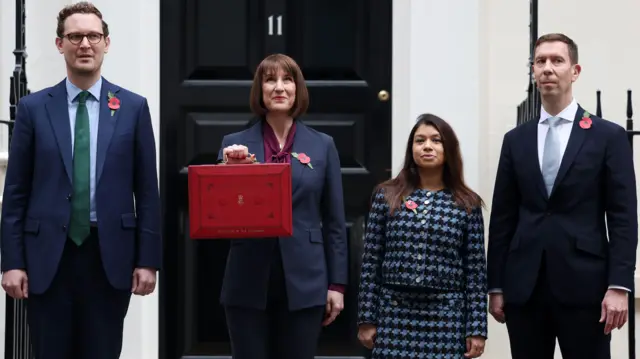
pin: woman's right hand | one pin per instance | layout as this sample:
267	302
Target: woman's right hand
236	155
367	335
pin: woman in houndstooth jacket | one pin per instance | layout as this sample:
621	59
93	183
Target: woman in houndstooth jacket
423	282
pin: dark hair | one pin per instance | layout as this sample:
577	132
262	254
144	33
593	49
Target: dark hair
82	7
571	45
409	178
269	66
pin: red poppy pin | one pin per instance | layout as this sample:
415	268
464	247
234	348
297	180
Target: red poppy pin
586	122
410	205
114	102
304	159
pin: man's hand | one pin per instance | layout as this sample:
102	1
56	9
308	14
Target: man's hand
614	309
367	335
335	304
496	307
16	283
475	347
144	281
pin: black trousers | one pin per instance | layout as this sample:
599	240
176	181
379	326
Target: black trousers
534	327
274	333
80	316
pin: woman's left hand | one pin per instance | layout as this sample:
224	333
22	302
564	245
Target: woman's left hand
475	347
335	304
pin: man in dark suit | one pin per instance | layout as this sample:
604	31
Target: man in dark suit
556	270
73	240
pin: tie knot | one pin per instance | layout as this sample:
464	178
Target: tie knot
554	121
82	97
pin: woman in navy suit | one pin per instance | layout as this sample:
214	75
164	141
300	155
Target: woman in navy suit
279	292
423	282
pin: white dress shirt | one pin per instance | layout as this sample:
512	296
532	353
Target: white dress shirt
564	132
563	128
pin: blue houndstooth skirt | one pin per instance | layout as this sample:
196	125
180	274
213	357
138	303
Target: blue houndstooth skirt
416	325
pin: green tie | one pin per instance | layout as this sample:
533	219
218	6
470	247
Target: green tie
80	221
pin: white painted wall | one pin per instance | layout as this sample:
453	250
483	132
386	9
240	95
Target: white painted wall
427	73
467	64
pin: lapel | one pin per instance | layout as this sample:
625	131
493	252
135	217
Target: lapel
255	141
301	142
106	124
576	139
533	156
58	111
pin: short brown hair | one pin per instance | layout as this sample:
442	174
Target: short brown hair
572	46
83	7
270	65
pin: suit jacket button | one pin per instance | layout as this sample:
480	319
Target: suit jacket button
64	228
69	197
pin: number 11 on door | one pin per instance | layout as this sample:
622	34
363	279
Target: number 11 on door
278	25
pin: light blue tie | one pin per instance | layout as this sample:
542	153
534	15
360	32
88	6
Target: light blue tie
551	155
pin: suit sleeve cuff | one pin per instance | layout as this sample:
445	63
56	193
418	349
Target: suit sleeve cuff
619	287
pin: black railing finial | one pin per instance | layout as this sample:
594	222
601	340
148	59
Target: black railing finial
598	104
630	115
629	105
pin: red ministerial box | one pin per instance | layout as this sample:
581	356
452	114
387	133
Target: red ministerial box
240	201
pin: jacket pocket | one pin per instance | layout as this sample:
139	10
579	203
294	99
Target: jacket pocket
129	221
31	226
315	236
592	246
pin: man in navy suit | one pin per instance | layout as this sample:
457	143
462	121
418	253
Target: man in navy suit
74	243
556	270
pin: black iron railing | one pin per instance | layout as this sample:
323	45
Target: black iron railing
530	108
17	343
632	300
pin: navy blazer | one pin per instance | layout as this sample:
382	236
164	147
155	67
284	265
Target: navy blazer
36	206
596	180
316	254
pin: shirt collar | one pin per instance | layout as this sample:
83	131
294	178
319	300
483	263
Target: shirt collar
569	112
73	91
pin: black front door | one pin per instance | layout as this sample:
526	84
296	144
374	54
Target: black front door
209	51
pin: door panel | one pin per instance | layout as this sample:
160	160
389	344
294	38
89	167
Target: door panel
209	52
222	41
345	57
327	43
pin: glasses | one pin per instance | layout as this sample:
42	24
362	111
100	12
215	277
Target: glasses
76	39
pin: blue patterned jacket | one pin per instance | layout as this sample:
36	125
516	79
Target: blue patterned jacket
439	247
